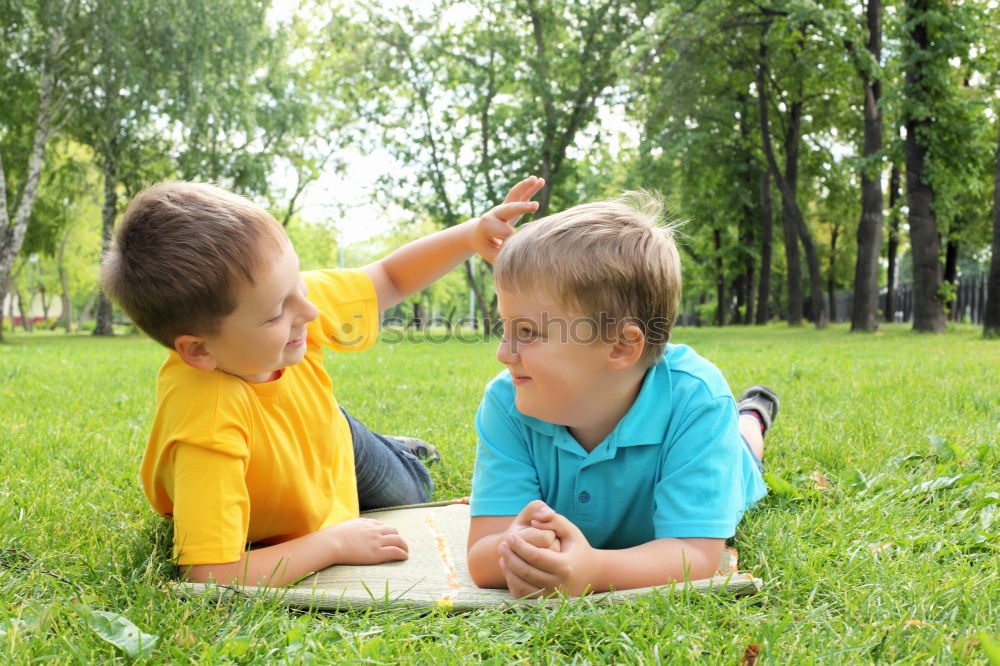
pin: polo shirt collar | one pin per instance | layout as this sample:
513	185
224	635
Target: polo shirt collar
646	420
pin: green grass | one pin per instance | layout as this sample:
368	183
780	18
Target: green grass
883	565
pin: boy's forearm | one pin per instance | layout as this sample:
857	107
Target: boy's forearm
419	264
657	562
484	563
272	566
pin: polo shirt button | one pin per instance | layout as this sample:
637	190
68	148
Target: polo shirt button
584	497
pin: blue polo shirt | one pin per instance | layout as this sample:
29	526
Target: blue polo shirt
674	466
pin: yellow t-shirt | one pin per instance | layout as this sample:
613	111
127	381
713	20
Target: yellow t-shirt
235	462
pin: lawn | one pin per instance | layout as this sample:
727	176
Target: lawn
880	540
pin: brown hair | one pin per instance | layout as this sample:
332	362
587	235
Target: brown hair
181	252
612	261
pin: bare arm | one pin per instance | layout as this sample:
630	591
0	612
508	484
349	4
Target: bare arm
419	264
358	541
656	562
578	568
485	534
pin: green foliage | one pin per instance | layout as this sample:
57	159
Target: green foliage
960	144
465	97
447	298
315	244
476	103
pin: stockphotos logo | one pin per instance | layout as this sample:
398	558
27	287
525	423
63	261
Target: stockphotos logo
604	329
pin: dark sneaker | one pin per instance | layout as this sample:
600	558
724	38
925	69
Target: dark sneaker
762	400
426	453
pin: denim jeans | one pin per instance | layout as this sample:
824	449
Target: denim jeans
388	473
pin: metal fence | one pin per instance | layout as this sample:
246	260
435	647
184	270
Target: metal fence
969	304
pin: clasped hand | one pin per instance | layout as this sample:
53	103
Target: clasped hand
543	551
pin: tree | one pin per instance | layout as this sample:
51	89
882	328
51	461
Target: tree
939	135
767	232
991	318
35	98
147	55
466	112
864	317
58	230
892	245
122	89
787	181
698	145
282	103
577	58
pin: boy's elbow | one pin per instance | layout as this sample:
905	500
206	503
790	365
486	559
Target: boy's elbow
702	570
487	582
483	577
701	557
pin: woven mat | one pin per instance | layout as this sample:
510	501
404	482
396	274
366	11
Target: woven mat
436	575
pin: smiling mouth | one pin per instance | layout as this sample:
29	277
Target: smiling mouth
296	342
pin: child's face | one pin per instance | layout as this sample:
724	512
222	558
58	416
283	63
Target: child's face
559	364
267	331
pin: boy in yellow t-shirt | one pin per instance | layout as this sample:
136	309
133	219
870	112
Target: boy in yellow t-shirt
248	444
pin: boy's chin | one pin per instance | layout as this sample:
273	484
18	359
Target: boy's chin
526	408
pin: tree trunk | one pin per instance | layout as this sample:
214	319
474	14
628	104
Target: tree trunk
67	303
26	322
789	207
721	310
790	199
470	278
419	319
12	235
104	311
748	223
549	113
821	316
44	295
893	245
87	312
928	310
766	235
602	38
831	281
991	316
951	275
864	317
745	288
6	312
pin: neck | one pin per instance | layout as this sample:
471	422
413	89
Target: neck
615	404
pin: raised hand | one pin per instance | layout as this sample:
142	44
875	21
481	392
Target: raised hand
497	225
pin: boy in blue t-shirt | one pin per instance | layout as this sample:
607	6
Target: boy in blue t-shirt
607	458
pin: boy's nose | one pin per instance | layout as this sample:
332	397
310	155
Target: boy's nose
310	312
506	353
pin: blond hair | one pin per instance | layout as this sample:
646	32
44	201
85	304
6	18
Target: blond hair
610	261
181	252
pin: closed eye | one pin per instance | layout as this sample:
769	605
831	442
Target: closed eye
525	334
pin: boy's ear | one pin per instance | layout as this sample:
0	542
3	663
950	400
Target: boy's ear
628	348
193	351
